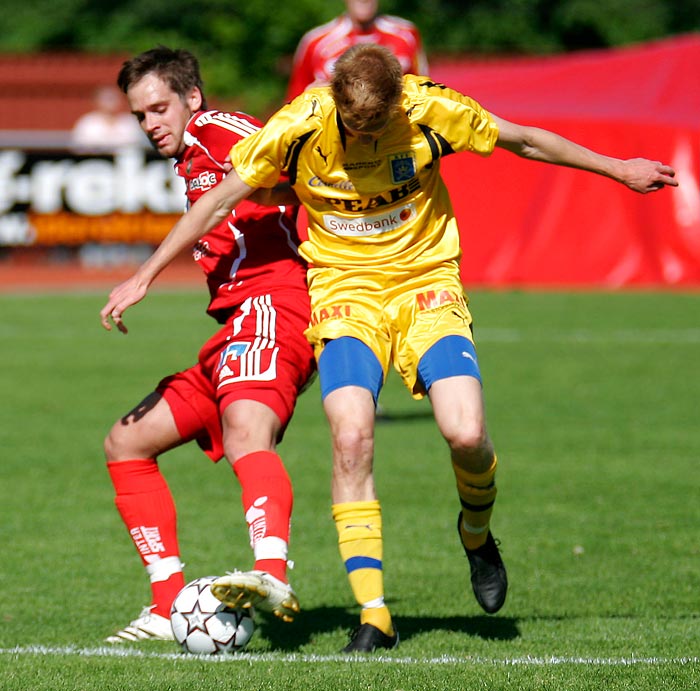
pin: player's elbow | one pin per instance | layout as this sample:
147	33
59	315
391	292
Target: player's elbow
221	211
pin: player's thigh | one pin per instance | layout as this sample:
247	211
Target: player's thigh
257	365
146	431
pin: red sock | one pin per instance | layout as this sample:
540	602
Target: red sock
147	508
267	502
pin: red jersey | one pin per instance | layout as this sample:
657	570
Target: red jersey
255	250
321	47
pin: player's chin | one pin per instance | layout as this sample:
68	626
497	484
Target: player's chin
165	151
165	147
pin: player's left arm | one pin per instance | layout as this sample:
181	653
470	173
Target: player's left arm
212	208
639	174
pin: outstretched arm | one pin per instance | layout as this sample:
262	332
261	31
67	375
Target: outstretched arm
208	211
639	174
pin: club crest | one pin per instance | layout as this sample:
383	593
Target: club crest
403	167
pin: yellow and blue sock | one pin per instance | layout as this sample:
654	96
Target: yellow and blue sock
359	526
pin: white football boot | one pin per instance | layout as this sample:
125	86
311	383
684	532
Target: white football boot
147	627
257	589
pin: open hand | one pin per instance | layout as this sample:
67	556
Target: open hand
124	295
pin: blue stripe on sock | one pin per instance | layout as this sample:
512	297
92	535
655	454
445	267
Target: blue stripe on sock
355	563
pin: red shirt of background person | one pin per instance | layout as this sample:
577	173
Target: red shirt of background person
320	47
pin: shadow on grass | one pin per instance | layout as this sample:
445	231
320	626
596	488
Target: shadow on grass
321	620
403	415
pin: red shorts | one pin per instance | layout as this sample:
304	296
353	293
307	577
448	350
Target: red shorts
260	354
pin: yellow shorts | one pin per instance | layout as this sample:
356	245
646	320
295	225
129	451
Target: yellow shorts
398	317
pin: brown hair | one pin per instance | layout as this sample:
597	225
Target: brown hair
179	69
367	84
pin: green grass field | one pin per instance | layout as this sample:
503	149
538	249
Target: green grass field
593	403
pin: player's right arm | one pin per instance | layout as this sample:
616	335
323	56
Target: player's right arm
639	174
207	212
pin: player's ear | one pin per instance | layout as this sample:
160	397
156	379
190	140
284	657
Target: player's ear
195	99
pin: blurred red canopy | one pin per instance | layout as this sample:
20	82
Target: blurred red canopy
50	91
530	224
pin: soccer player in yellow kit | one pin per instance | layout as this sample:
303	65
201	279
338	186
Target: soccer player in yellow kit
363	157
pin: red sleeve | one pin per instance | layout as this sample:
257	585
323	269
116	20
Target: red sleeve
215	132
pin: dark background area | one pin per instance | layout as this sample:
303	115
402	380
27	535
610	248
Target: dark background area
246	47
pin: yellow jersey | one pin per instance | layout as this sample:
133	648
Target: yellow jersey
381	205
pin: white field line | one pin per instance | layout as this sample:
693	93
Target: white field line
250	658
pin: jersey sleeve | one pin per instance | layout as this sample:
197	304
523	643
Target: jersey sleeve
458	119
215	132
261	159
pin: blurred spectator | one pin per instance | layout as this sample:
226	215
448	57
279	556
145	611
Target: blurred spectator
109	126
320	47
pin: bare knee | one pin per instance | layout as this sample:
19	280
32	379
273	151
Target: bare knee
130	440
111	445
146	431
353	452
459	413
471	448
354	442
249	426
468	437
119	443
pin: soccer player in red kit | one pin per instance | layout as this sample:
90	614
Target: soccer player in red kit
239	397
320	47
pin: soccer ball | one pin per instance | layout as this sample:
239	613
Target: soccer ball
204	626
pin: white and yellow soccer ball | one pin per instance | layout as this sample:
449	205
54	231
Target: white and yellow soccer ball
204	626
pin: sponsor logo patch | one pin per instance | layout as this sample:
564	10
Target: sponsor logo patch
431	299
332	312
373	224
204	181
